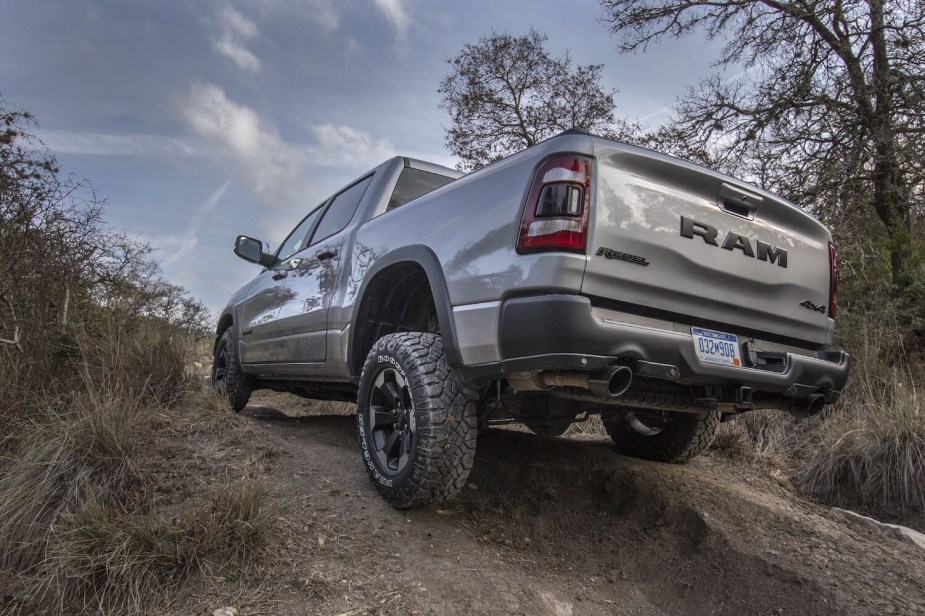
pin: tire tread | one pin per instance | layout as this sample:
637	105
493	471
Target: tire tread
447	429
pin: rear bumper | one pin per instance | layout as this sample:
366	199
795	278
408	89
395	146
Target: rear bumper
562	332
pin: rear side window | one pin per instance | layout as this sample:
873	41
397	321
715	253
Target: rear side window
341	210
414	183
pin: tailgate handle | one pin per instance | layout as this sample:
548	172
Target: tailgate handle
738	202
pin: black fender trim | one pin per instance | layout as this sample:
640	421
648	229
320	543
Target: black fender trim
427	260
228	314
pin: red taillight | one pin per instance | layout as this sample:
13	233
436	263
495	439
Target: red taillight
556	213
833	280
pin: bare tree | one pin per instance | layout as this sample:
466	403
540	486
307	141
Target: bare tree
830	110
506	93
58	257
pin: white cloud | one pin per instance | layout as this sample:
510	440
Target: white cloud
284	177
352	46
106	144
254	150
178	246
322	13
236	23
351	146
397	14
235	30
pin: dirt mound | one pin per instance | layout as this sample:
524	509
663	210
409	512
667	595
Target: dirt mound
560	526
626	523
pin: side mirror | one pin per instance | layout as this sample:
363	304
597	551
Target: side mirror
251	250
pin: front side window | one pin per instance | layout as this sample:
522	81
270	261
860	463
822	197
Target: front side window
298	239
341	210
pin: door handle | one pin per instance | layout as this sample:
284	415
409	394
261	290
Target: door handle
279	275
327	253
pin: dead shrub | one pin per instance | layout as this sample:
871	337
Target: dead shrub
94	350
124	562
79	452
871	449
732	440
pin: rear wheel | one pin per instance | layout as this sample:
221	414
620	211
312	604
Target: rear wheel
417	430
227	377
662	436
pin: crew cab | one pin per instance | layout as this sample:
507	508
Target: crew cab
581	276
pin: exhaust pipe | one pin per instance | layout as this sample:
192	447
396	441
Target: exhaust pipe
811	407
801	408
612	383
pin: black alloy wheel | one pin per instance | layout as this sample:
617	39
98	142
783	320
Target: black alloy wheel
391	420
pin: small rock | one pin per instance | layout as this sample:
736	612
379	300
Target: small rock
472	486
900	533
225	611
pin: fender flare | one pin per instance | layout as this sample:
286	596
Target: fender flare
428	261
228	314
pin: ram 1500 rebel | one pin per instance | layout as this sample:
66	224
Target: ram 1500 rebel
580	276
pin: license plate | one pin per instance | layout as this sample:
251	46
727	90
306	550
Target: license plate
717	347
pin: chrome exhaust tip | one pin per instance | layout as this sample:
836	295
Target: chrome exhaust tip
807	407
613	384
815	404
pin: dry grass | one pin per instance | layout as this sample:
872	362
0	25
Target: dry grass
84	523
593	427
871	449
125	561
76	454
867	451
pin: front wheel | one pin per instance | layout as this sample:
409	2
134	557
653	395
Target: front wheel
417	430
662	436
227	377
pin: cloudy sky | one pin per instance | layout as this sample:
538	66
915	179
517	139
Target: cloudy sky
202	120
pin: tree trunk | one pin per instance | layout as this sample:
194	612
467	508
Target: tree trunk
891	199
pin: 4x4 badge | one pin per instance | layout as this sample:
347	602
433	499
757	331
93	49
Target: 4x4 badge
811	306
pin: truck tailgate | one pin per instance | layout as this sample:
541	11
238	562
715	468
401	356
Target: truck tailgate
683	242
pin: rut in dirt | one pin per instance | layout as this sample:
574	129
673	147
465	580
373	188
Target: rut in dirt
707	537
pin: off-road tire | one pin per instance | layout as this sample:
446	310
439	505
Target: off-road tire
683	437
227	377
445	426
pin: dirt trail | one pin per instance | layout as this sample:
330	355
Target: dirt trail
566	527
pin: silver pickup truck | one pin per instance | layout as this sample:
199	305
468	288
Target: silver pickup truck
578	277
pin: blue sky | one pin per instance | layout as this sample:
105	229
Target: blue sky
202	120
